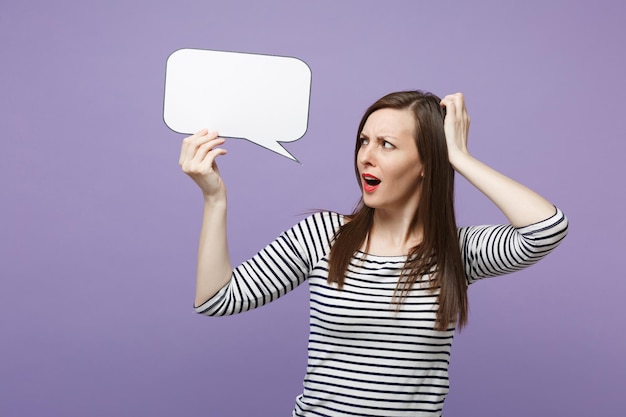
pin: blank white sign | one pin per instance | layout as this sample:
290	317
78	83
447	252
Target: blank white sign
261	98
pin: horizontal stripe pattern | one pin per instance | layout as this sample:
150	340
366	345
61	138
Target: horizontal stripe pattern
366	357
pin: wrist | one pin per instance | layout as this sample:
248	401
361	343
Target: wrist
214	201
458	158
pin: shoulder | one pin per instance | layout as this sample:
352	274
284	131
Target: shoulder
540	237
319	226
313	235
327	219
555	224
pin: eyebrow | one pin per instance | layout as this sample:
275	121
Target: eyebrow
385	137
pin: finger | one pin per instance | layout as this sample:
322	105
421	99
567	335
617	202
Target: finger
205	166
185	145
196	141
462	107
209	164
449	104
455	107
456	99
205	148
447	101
212	156
459	100
459	103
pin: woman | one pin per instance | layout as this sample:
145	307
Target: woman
388	284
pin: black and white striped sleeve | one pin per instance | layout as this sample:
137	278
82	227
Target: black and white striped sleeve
277	269
488	251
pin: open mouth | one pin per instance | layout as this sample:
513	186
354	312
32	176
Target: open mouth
370	182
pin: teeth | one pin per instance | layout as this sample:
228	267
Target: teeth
370	180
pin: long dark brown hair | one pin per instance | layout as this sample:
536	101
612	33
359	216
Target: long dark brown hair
438	254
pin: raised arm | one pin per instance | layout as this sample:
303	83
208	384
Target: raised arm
197	159
520	205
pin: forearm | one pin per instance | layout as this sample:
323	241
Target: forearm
214	268
520	205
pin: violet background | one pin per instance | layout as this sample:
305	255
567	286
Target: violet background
99	226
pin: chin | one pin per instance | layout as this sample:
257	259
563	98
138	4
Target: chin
371	203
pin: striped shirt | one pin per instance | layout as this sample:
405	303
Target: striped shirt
365	358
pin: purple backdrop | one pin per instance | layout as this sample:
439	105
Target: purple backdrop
99	226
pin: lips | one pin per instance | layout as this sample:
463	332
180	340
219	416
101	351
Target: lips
370	182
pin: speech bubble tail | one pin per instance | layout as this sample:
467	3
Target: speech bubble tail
279	149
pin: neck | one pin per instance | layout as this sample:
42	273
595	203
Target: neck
394	232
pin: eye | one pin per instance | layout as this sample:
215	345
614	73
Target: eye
387	145
364	140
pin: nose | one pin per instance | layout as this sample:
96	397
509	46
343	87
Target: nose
366	156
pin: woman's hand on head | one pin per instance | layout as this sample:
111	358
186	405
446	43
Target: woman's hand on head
456	126
197	159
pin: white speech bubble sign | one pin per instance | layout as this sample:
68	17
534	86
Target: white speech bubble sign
261	98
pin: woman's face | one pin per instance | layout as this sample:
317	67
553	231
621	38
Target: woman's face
388	162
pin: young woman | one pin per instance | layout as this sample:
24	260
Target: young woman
388	283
